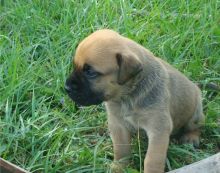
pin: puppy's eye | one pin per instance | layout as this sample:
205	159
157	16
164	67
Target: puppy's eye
90	72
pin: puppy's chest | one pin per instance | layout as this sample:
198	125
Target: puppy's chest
130	117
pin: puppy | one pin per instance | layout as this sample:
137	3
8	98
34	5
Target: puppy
140	91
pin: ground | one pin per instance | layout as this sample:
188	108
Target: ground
40	128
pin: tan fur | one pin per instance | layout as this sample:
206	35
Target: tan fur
159	99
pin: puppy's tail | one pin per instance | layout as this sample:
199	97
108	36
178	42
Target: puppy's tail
211	89
209	86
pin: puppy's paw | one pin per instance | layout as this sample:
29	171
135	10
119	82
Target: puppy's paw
116	167
190	138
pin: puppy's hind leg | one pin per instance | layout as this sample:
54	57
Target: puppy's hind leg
192	128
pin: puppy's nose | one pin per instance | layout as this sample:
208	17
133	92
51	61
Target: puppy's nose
67	88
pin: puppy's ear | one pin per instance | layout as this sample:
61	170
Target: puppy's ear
129	66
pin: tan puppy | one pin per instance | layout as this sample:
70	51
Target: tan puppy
140	91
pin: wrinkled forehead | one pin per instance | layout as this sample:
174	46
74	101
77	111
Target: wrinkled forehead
100	56
102	61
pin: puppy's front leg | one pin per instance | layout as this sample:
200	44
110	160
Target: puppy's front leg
121	142
157	151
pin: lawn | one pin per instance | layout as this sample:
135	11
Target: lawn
40	128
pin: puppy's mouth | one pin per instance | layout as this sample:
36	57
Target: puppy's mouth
86	98
86	101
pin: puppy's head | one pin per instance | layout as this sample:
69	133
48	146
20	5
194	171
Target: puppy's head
103	66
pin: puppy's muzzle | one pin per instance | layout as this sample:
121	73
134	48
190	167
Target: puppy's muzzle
79	90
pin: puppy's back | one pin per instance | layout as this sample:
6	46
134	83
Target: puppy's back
183	96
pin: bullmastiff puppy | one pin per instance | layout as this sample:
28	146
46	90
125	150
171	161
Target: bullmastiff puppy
140	91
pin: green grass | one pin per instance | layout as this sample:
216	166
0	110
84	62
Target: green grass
40	129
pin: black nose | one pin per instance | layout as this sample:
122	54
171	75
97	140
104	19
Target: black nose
67	88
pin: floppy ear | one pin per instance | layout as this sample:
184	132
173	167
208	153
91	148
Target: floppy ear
129	66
